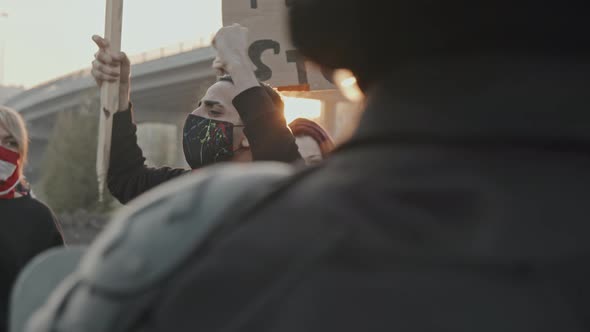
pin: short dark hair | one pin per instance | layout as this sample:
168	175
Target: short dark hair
352	33
272	93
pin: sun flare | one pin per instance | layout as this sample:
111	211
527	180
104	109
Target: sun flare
302	108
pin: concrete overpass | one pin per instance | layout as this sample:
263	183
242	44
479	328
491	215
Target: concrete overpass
167	83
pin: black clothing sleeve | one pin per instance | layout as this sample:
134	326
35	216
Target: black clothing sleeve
128	175
266	129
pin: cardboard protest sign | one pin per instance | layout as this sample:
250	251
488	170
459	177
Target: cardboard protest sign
271	50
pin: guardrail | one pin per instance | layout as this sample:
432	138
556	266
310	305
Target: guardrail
135	59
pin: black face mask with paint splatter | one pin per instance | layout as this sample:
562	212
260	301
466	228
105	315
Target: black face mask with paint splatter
206	141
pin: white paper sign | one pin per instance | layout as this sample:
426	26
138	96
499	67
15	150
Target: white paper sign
277	62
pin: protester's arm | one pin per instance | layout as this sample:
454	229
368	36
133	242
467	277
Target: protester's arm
128	175
265	127
231	44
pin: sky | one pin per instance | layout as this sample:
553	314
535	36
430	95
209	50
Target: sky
44	39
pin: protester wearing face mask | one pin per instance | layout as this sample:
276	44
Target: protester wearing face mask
229	124
28	226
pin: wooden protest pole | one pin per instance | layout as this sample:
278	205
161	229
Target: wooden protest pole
109	94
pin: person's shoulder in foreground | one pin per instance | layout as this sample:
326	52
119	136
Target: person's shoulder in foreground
147	243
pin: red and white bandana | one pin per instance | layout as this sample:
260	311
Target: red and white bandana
9	173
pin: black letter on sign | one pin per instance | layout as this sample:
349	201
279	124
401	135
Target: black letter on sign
294	56
253	4
263	72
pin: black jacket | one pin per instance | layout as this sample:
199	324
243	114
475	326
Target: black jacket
28	228
267	132
460	204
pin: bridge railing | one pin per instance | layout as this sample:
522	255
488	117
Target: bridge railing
168	51
135	59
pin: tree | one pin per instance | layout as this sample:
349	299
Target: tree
69	180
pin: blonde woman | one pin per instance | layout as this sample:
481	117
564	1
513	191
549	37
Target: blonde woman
28	226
